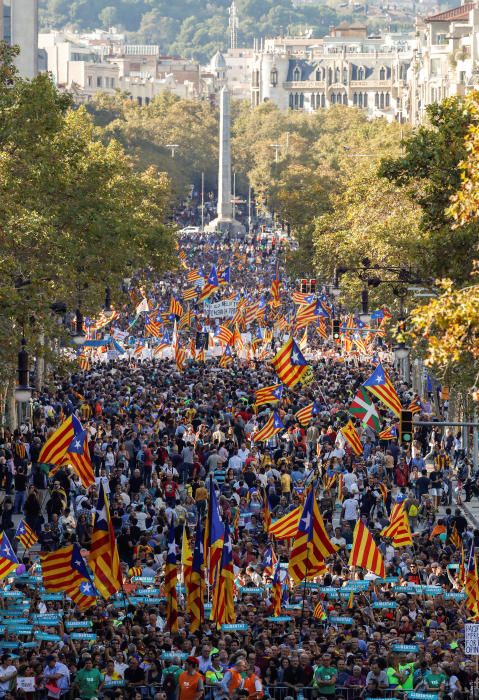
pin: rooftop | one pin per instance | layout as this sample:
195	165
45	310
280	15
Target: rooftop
455	14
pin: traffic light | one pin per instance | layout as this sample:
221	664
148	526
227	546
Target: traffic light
336	329
312	286
304	286
406	427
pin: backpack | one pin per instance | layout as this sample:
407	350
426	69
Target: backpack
413	511
169	683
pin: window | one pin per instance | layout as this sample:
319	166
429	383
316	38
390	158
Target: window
345	99
147	101
297	74
337	76
89	81
112	82
319	74
345	76
376	100
301	100
360	99
274	77
387	99
98	81
381	101
333	98
365	99
323	100
256	78
330	76
140	101
361	73
382	74
291	102
355	99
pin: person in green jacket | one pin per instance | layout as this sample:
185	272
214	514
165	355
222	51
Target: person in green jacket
325	676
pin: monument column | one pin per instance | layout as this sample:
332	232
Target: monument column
225	209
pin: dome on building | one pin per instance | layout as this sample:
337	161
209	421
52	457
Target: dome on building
218	62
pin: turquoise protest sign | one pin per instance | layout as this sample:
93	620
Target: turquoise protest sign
9	645
23	630
251	591
239	626
391	579
384	604
422	696
88	636
168	655
295	606
356	585
208	606
453	595
310	585
46	620
148	591
143	579
11	594
13	622
47	637
50	597
340	620
114	684
280	618
405	589
75	624
405	648
329	590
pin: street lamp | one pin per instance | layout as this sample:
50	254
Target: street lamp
172	147
365	316
23	392
79	336
401	351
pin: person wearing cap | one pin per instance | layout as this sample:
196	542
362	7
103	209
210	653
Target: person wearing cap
8	675
190	682
214	676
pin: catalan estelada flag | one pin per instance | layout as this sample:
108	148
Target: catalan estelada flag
152	326
171	579
65	570
214	533
365	552
226	358
269	394
175	307
8	559
26	535
225	276
350	434
103	559
277	590
57	444
78	455
318	612
223	610
305	415
272	426
275	289
415	406
289	363
311	544
286	527
399	531
224	335
389	433
211	285
194	276
322	330
472	583
269	561
195	602
381	386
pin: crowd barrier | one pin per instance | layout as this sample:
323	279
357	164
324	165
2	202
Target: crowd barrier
121	690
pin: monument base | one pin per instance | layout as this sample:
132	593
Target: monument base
228	227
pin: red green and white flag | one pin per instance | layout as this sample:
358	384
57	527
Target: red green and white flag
362	407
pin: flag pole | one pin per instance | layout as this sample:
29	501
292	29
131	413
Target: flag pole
307	569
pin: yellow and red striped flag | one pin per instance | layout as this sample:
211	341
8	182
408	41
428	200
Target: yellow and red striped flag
311	544
365	552
305	415
189	294
322	330
64	571
381	386
318	612
272	426
8	559
350	434
277	590
269	394
57	444
226	358
286	527
26	535
103	559
196	591
175	307
171	579
223	610
289	363
399	531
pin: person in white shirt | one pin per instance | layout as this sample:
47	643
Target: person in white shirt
350	481
235	463
243	453
120	665
8	675
350	510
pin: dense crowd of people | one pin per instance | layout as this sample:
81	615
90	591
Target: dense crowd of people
160	439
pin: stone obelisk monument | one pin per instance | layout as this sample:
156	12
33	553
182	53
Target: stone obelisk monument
225	223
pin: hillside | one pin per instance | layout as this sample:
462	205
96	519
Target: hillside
192	28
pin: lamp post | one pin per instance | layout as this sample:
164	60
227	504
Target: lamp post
172	147
79	336
23	392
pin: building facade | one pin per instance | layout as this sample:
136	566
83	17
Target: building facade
346	68
19	27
